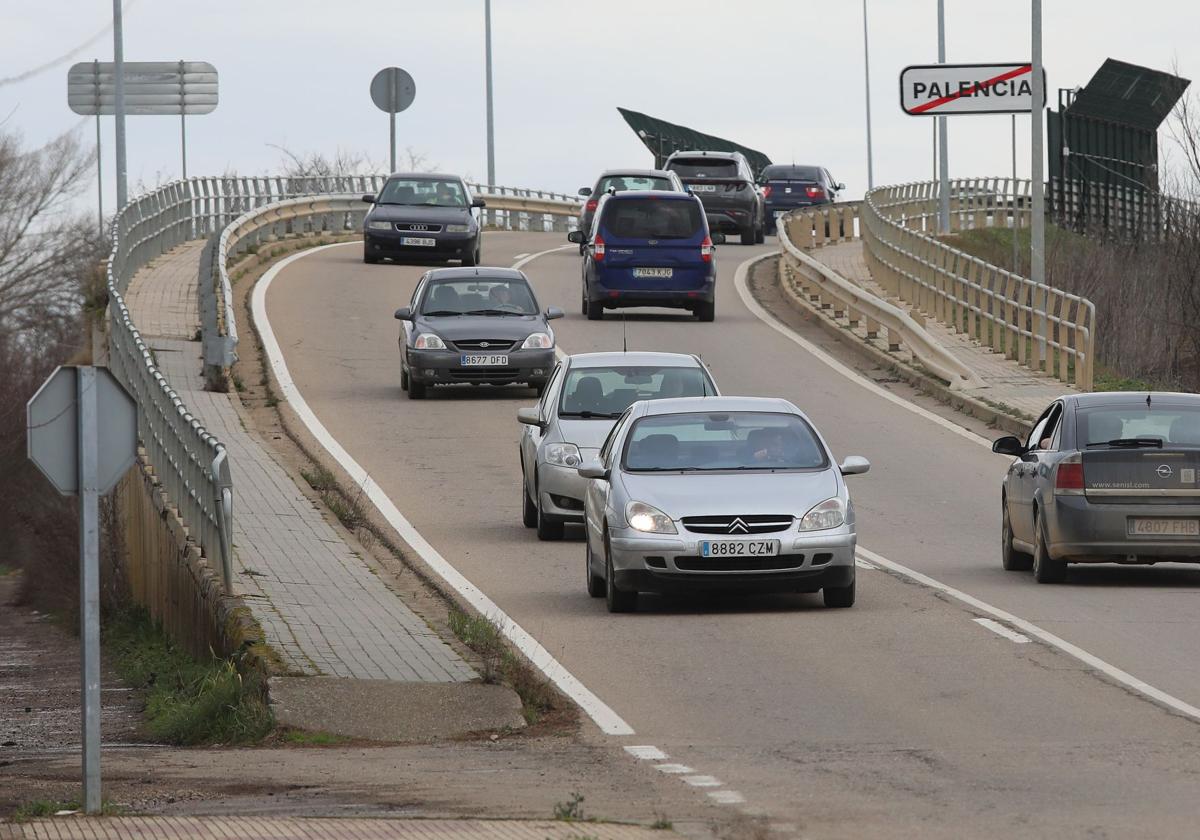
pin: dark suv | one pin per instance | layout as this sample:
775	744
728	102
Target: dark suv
788	186
725	183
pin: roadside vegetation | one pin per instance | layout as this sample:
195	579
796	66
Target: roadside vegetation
501	664
39	808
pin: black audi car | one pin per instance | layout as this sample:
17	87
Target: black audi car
475	326
422	216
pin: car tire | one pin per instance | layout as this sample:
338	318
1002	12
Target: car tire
838	597
595	310
617	600
706	311
595	582
548	530
471	259
368	259
403	378
1010	558
1045	568
416	390
760	234
529	517
749	236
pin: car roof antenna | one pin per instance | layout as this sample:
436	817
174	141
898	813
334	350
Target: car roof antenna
624	339
1147	401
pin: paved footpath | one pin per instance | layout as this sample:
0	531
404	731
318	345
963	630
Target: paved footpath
1007	382
253	828
322	608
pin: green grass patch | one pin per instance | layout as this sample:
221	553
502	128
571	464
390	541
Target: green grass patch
1107	380
41	808
304	738
188	702
500	664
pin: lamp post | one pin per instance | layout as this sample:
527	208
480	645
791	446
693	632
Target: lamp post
867	85
943	152
491	128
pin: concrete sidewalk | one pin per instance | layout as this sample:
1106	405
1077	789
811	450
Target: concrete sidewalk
323	609
1008	383
253	828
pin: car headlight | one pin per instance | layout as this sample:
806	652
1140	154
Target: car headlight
379	225
644	517
829	514
429	341
538	341
563	455
457	228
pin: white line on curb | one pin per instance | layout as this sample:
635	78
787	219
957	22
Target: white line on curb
726	797
646	753
609	721
703	781
1000	630
520	256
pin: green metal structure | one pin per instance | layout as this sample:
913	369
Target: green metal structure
662	138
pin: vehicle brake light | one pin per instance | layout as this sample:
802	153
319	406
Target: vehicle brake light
767	191
706	249
815	192
598	248
592	204
1068	478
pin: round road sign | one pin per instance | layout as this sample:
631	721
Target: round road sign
393	90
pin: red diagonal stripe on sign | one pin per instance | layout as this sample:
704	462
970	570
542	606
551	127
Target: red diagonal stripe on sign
1003	77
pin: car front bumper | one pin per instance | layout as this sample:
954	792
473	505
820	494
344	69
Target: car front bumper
1081	531
561	490
444	367
385	243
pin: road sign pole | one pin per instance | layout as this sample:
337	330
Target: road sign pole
392	119
119	103
392	91
89	581
867	85
1037	228
99	157
943	152
1015	226
183	119
491	128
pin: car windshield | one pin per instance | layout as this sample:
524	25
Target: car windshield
606	392
704	167
740	440
652	218
791	173
427	192
478	296
620	183
1173	425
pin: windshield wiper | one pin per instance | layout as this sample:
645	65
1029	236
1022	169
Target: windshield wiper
492	312
436	312
1131	443
588	415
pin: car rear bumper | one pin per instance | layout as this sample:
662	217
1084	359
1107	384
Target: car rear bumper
443	367
1083	532
731	219
447	245
705	292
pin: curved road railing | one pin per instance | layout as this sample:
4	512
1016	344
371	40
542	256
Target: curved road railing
190	462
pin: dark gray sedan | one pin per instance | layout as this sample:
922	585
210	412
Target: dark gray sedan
475	326
422	216
1104	478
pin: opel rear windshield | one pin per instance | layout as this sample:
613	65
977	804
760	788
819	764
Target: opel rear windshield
652	218
704	167
1109	426
722	441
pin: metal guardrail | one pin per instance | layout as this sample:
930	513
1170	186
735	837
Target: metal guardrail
813	228
192	464
1038	326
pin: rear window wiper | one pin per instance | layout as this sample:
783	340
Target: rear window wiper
1131	443
588	415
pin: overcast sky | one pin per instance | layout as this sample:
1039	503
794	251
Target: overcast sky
781	76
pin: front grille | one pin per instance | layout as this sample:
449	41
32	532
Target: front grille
490	374
417	227
739	564
758	523
491	345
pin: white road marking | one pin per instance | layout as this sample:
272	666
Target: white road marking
703	781
1030	629
646	753
739	282
1000	630
726	797
520	256
523	259
863	564
609	721
674	769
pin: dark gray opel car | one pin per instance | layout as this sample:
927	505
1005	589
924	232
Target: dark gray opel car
422	216
1104	478
475	326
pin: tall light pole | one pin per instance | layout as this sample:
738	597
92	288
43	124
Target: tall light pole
119	109
491	129
943	153
867	77
1037	230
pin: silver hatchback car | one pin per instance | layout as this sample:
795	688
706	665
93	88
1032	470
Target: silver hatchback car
718	493
586	394
1103	478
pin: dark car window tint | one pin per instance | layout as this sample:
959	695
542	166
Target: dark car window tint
792	173
609	391
651	218
633	182
430	192
740	440
1175	425
478	294
702	167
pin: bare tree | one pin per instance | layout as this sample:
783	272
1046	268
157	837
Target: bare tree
346	162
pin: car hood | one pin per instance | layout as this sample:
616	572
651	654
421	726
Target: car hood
457	327
697	494
418	213
586	434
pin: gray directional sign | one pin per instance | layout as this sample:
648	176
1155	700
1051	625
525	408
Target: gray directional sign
393	90
151	87
53	430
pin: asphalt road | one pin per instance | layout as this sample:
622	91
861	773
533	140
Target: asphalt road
900	717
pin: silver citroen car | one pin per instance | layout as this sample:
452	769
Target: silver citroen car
1103	478
718	493
586	393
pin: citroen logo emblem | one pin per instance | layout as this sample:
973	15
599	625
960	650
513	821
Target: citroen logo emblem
737	526
484	344
1165	471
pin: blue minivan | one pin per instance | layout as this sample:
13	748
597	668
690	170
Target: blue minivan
648	248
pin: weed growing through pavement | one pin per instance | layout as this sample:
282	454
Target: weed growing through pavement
349	512
499	663
571	810
39	808
661	823
238	384
304	738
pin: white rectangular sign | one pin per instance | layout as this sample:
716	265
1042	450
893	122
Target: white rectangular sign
935	90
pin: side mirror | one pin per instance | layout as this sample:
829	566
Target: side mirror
717	238
593	469
404	313
1009	445
855	465
839	186
370	199
585	190
478	202
576	236
529	416
553	312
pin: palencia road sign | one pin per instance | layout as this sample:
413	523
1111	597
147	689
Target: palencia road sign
938	90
